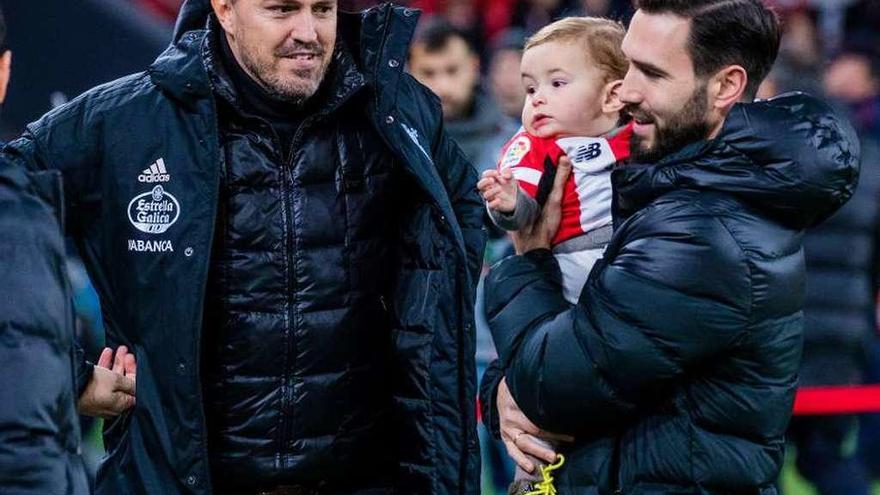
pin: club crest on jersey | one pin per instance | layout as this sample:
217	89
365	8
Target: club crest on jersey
154	211
516	152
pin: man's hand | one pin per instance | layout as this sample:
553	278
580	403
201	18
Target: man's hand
539	235
518	433
499	190
110	392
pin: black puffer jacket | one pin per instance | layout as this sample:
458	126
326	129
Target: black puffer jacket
39	427
146	239
297	340
677	369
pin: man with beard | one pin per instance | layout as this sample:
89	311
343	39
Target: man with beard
282	234
677	369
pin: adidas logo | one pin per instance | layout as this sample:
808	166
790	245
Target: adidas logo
155	173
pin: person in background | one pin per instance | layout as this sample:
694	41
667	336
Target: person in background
800	53
507	91
504	75
840	293
442	58
40	438
853	78
844	254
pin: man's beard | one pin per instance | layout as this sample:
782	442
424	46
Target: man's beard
289	90
686	127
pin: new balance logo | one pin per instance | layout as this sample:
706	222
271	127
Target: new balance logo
155	173
588	152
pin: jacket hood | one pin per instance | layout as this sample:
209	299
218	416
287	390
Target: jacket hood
791	156
181	70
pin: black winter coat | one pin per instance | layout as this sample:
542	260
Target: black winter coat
147	243
39	427
676	370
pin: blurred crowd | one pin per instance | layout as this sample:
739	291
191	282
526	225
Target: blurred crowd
468	52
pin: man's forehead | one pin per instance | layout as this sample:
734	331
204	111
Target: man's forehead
657	39
455	50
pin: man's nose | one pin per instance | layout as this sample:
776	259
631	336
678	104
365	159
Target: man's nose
444	86
629	92
303	28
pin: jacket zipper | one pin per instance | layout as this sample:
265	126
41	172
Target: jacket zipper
290	255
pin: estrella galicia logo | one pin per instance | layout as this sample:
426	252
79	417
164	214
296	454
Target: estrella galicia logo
588	152
153	212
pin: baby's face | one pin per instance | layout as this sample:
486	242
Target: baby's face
564	91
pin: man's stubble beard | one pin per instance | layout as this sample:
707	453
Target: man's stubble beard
687	126
295	92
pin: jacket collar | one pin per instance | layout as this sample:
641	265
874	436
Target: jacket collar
342	80
791	157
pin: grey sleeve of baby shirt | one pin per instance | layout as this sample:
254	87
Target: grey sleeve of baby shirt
524	214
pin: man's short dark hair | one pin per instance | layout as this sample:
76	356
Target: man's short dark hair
435	32
726	32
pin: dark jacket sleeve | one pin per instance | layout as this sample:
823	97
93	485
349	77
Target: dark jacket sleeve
64	141
38	432
675	293
460	178
488	392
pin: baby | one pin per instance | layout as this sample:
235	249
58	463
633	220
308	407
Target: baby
572	71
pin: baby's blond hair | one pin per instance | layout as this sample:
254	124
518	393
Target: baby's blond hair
600	37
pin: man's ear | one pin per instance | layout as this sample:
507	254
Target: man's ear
611	97
5	72
727	87
223	11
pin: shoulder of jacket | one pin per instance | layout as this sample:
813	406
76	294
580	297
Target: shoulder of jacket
418	92
93	103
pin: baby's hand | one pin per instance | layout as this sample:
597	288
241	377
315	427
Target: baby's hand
498	190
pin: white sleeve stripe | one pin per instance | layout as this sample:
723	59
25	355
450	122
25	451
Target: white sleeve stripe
527	175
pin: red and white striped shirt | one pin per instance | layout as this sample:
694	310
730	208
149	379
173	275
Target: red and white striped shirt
586	202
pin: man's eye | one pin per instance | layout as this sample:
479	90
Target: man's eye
530	90
651	74
283	9
558	83
323	9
